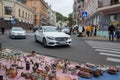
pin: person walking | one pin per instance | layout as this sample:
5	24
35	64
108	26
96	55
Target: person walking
88	29
2	30
80	29
111	30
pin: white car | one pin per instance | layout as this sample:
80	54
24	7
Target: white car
17	32
50	36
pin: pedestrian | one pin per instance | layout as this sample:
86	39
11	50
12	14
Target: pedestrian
117	32
80	29
88	29
111	30
95	30
2	30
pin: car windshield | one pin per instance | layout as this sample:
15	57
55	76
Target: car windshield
50	29
17	29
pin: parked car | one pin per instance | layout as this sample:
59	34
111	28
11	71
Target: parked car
50	36
66	30
17	32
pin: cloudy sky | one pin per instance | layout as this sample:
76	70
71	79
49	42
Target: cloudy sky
62	6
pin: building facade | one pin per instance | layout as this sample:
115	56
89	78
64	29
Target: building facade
40	10
14	13
102	13
77	12
51	16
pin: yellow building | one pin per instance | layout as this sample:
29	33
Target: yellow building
14	13
40	9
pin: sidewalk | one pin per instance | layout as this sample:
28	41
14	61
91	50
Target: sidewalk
100	38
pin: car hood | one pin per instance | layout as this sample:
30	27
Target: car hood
56	34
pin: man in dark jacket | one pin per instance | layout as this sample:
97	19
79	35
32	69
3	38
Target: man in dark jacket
2	30
111	30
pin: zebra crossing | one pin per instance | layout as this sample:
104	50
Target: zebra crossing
108	49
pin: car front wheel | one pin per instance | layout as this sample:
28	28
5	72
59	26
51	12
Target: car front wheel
36	39
44	42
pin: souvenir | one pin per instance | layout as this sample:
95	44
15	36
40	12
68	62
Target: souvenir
1	77
33	53
47	68
84	74
73	71
27	65
52	75
53	66
97	73
65	68
11	72
112	70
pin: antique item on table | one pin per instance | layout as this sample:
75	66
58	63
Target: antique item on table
19	66
27	75
47	68
112	70
27	65
1	77
52	75
97	73
35	67
43	73
84	74
65	68
73	71
89	70
11	72
33	53
31	61
53	66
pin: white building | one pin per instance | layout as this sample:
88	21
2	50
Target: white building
51	16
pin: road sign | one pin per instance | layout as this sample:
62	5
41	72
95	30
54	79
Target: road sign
13	22
84	14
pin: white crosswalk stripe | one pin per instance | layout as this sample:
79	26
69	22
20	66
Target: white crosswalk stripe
108	49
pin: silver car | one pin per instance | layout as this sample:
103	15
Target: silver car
17	32
50	36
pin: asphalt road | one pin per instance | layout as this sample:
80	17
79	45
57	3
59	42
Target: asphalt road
79	51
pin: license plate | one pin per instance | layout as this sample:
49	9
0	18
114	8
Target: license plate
61	42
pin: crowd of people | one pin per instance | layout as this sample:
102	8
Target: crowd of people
81	31
91	30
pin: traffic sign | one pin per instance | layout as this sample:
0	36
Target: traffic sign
84	14
13	22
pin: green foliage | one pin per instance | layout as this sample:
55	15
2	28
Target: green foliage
60	17
70	19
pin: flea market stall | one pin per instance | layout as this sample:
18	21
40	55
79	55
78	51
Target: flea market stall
19	65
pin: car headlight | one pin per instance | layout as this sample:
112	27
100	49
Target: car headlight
51	38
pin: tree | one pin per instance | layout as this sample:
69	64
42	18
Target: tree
70	19
59	17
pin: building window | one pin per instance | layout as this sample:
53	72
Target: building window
22	14
26	15
8	10
19	11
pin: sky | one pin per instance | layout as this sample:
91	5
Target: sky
65	7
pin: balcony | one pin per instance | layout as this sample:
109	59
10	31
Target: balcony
106	3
